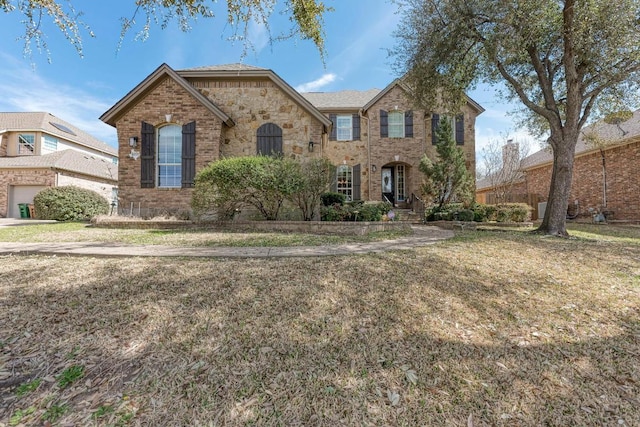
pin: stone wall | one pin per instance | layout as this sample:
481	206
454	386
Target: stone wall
252	103
167	97
623	181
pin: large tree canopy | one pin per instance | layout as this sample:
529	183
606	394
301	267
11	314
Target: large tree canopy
306	17
564	60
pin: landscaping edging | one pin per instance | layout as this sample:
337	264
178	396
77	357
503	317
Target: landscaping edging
312	227
472	225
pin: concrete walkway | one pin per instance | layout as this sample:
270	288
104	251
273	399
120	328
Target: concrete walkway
423	235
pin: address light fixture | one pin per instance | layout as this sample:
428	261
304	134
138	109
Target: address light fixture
311	146
133	141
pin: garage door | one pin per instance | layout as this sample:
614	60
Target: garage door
21	194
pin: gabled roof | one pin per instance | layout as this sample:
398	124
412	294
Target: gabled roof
149	83
610	135
399	82
52	125
242	70
343	100
66	160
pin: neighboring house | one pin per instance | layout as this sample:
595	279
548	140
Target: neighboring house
39	150
606	172
174	123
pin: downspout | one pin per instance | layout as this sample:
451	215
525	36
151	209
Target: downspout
361	112
604	180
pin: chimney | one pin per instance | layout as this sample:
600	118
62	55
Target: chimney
511	155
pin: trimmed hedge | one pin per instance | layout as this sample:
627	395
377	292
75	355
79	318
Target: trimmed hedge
69	203
505	212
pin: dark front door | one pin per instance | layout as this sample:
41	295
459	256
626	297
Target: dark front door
387	184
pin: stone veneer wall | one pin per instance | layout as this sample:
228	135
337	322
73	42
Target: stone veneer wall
409	150
10	177
168	97
623	181
252	103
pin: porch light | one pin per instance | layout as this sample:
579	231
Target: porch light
311	146
133	141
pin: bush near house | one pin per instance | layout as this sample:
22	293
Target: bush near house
504	212
69	203
355	211
262	182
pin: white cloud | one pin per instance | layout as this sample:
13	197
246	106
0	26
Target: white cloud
313	86
23	89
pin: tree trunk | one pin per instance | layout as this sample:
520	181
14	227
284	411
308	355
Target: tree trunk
555	215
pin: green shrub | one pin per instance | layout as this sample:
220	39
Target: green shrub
354	211
69	203
329	199
512	212
465	215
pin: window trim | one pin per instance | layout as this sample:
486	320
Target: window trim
346	188
22	146
344	128
177	141
396	127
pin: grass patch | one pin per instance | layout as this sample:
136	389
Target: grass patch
81	232
28	387
505	328
70	375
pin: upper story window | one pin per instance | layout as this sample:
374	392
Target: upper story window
169	156
26	143
49	143
457	127
346	127
396	124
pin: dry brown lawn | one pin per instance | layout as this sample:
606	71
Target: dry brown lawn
487	329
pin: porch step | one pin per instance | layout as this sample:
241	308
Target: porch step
407	215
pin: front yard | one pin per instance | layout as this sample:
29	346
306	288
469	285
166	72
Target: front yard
489	328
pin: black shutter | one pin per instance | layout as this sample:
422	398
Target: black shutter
408	124
147	156
269	137
460	129
384	124
356	127
435	121
188	154
334	180
356	180
334	127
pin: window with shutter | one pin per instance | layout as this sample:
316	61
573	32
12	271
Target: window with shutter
408	124
344	125
356	127
356	182
384	124
459	129
435	121
188	154
269	137
170	156
334	128
344	181
147	156
396	124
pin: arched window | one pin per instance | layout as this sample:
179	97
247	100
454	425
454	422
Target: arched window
169	156
269	139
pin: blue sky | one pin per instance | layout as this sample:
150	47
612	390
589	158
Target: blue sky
79	90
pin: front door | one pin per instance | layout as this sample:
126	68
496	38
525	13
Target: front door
388	184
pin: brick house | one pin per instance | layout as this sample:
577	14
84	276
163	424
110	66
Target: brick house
174	123
606	172
39	150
